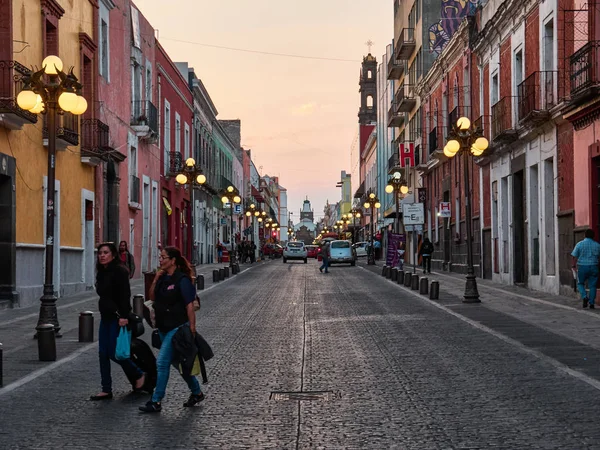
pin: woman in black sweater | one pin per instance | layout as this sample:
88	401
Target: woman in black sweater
112	285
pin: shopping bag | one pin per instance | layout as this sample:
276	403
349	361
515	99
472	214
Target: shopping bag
123	350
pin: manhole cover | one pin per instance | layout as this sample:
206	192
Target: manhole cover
305	396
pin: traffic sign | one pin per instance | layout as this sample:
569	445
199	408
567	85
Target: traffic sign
237	209
445	210
413	214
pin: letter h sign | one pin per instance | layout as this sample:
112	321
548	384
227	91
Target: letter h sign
407	154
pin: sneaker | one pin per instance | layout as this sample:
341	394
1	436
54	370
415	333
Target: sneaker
193	400
320	269
585	302
151	407
592	306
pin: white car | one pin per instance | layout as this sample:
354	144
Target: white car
295	250
341	252
361	248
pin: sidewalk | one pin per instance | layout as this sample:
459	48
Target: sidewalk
17	326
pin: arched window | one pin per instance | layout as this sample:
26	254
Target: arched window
370	74
369	101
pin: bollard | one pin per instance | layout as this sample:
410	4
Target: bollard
46	342
434	292
216	277
424	286
237	268
200	282
221	274
86	326
394	275
388	273
407	276
400	279
227	271
1	382
383	271
138	305
414	282
233	269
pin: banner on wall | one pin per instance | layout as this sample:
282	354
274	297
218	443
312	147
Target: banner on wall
395	250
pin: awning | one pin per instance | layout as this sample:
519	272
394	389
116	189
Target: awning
360	191
257	195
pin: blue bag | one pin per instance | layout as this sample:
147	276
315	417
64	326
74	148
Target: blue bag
123	350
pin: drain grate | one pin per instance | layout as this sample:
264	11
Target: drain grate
305	396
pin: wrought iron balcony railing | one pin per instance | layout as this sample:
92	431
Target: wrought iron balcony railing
11	75
585	68
536	96
94	138
175	164
502	123
144	113
406	44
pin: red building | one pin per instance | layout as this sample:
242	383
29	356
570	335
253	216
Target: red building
175	124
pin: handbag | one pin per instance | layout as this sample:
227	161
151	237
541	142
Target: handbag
123	349
156	341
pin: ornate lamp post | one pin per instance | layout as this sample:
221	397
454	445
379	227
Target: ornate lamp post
466	139
372	203
397	186
192	176
52	92
231	195
355	213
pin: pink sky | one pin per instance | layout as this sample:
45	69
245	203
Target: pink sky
299	116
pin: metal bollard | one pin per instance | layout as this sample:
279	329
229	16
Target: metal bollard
227	271
414	282
383	271
407	277
237	268
424	286
216	277
221	274
138	305
86	326
434	292
388	273
46	342
400	278
1	382
394	275
200	282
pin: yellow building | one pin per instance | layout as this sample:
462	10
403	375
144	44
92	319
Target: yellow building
29	31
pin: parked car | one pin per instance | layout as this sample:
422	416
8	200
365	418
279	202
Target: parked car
361	248
312	251
272	250
342	252
295	250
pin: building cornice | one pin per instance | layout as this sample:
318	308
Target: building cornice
52	8
174	86
109	4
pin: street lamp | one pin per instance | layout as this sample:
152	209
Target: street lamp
397	185
51	91
231	195
355	213
191	175
372	203
467	139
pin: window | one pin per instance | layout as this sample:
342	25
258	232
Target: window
104	9
370	74
494	92
167	135
548	45
177	133
186	143
103	49
370	101
148	93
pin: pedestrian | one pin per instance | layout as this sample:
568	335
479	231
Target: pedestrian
174	295
219	252
586	256
112	285
425	252
252	252
325	257
126	258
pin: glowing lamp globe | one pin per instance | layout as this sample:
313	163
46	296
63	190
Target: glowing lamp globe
377	205
358	215
27	100
81	106
481	143
476	151
224	199
463	123
389	189
39	106
252	206
68	101
367	205
230	189
201	179
404	189
260	219
448	153
248	213
371	195
237	199
52	65
181	179
257	214
190	162
453	146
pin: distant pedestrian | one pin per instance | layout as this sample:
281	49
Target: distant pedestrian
586	256
325	256
252	252
219	252
174	295
112	285
126	258
425	252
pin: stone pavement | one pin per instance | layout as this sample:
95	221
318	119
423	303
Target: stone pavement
345	360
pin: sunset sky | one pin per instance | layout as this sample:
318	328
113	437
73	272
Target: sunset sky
299	115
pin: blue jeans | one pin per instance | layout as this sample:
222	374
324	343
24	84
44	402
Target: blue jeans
325	265
107	343
163	368
589	273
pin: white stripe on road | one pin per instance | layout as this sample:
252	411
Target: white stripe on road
557	364
44	370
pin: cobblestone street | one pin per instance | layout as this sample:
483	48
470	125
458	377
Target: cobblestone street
388	369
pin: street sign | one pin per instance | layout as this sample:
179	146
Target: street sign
413	214
445	210
237	209
223	221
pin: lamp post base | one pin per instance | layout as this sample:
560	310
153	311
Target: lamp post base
371	260
471	293
49	314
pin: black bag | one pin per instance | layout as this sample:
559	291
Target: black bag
136	325
143	357
156	342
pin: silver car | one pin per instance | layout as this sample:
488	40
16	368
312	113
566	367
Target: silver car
341	252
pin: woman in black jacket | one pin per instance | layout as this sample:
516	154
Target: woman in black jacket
112	285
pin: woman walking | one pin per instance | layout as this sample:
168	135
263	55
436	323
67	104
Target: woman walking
112	285
126	258
174	294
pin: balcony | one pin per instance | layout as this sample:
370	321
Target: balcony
537	96
134	190
395	117
175	165
396	68
482	123
11	74
433	141
144	119
585	72
394	160
67	131
502	127
406	44
94	141
405	98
